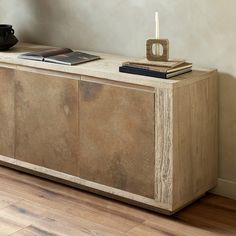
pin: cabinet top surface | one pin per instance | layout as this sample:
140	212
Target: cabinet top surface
106	68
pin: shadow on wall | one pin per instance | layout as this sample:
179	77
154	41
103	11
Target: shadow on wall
227	116
45	23
87	25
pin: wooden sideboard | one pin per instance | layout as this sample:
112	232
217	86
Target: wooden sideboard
146	141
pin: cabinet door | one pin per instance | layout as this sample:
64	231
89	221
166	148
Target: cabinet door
7	112
47	121
117	137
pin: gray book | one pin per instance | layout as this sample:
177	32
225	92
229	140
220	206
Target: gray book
72	58
63	56
42	54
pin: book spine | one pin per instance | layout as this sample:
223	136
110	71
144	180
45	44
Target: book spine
140	71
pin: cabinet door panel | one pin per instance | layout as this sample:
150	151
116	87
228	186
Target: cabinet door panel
7	112
117	137
47	121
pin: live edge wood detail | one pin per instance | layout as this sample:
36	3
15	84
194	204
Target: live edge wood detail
117	137
146	141
47	121
164	145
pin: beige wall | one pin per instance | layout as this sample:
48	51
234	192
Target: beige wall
202	31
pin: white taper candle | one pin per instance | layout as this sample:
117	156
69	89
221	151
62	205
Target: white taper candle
157	25
157	30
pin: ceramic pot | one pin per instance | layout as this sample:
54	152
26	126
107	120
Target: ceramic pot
7	37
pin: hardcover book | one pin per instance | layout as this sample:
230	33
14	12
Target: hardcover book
63	56
152	73
145	62
159	69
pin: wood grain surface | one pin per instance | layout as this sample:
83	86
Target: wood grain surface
47	121
7	115
195	137
164	146
117	137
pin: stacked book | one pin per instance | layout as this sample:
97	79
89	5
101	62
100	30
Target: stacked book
157	69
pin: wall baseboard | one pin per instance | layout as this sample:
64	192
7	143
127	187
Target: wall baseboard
225	188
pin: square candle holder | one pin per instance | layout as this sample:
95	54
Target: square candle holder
157	42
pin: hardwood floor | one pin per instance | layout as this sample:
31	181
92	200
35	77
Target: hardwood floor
30	206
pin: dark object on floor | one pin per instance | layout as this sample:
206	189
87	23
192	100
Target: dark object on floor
7	37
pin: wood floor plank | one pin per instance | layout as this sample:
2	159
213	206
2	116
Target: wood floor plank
122	222
17	216
219	202
33	231
8	226
70	225
53	230
142	230
50	209
65	225
80	207
167	226
90	208
207	214
7	199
